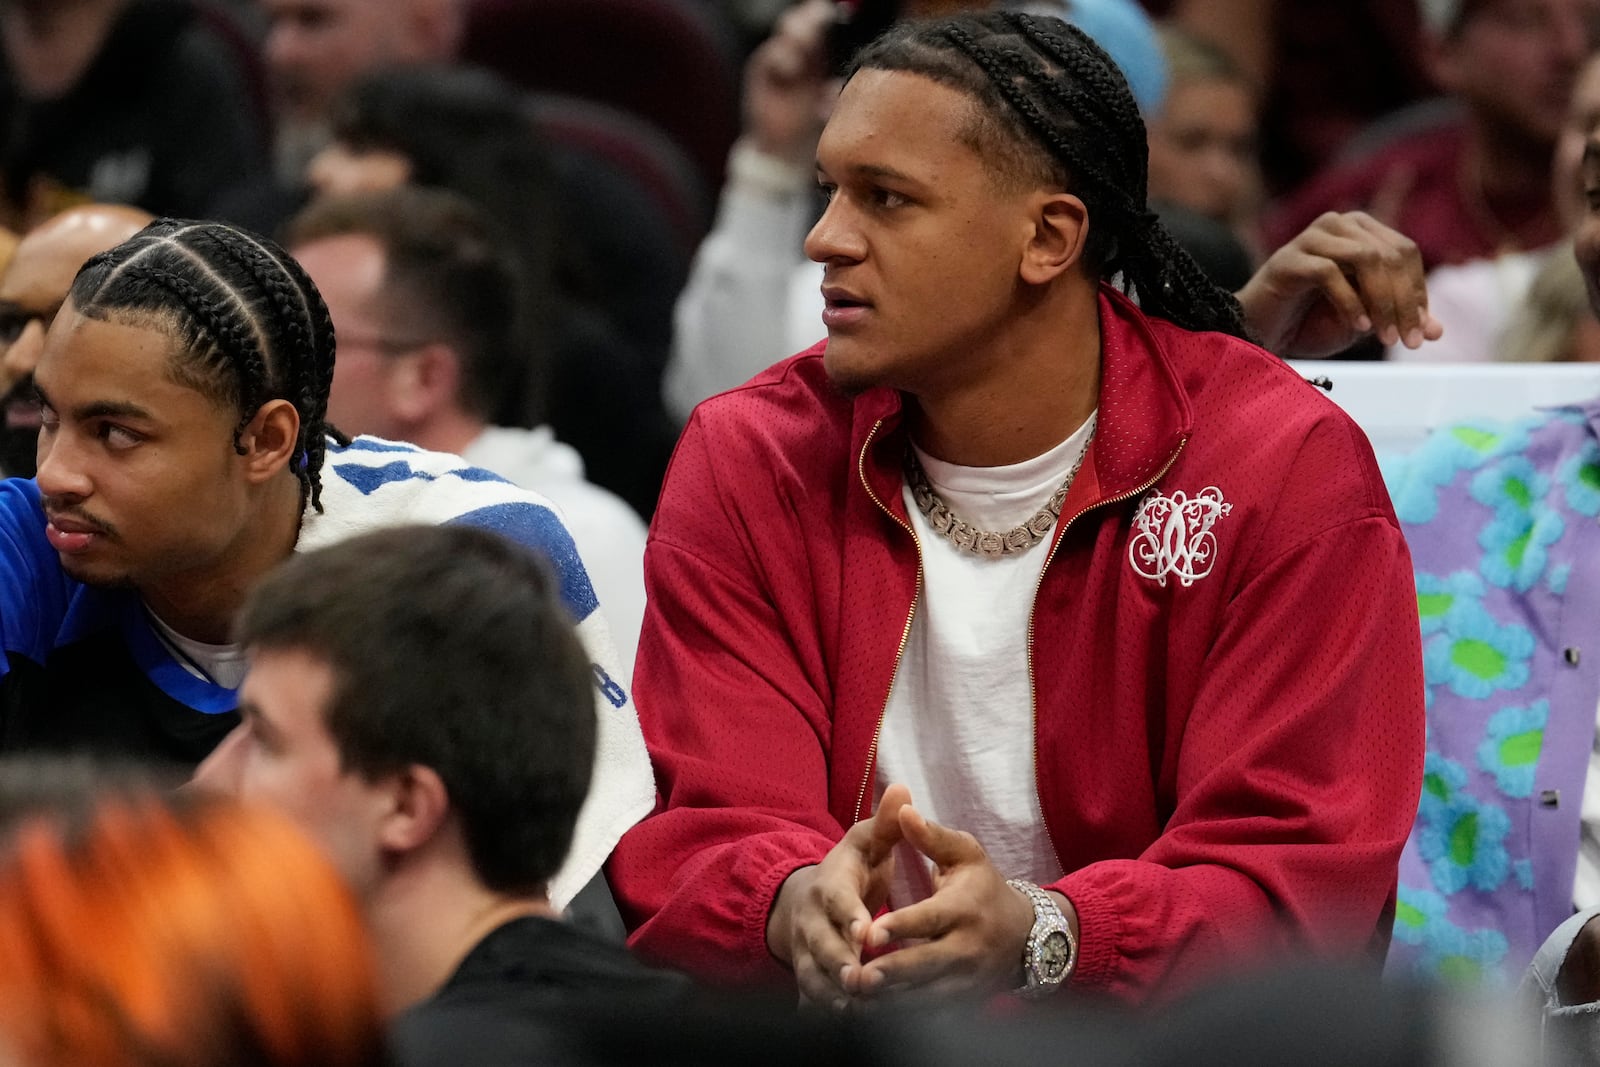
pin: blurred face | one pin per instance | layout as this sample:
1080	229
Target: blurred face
31	292
1203	149
32	289
140	479
339	170
920	244
349	270
283	756
316	48
1583	114
1586	241
26	311
1515	61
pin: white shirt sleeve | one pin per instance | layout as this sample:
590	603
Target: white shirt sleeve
731	320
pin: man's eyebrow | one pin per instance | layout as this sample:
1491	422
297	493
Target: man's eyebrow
872	170
96	409
878	170
114	409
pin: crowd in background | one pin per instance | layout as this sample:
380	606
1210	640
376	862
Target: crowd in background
1442	122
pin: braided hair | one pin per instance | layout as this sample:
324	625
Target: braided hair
1054	109
250	324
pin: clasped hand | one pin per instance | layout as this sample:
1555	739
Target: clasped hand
966	937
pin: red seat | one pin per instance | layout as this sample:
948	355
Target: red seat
668	61
657	165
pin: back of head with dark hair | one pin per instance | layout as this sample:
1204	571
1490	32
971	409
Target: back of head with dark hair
249	325
446	277
449	649
467	130
1052	108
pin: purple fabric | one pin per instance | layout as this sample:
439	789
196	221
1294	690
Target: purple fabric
1502	523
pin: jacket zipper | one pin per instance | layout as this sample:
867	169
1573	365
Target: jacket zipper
905	635
1033	688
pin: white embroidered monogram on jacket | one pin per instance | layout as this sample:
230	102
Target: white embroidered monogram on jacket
1172	535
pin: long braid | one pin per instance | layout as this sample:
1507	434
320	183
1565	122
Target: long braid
1062	96
253	326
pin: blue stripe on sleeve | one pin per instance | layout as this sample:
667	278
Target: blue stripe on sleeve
540	529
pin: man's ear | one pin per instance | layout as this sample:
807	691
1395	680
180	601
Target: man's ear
424	382
267	443
1060	231
419	805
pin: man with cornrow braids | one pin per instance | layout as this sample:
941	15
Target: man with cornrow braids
183	453
1034	631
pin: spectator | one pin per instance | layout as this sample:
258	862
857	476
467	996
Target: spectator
752	298
183	455
1553	324
425	303
1478	185
33	285
123	101
1122	775
180	933
440	747
467	131
1203	139
1478	299
1501	519
1369	49
317	49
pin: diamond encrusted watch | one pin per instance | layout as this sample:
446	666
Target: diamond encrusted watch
1051	951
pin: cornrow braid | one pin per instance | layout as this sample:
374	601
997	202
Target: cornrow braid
252	326
307	324
220	336
1060	111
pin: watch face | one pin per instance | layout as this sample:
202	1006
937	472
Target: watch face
1055	955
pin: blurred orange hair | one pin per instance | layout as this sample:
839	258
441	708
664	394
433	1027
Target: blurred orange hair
183	932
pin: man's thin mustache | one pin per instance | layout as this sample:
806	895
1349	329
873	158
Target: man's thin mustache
52	511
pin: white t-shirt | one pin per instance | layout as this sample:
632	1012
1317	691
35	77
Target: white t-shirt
223	665
958	728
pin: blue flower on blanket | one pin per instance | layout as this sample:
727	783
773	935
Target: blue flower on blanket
1421	919
1414	480
1474	655
1415	910
1523	869
1523	527
1580	475
1556	580
1442	780
1511	751
1465	845
1438	597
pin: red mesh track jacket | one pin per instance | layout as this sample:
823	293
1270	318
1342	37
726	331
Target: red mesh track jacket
1228	765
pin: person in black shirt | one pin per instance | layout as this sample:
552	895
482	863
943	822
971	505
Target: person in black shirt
419	701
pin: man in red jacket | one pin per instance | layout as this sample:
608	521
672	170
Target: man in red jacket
1018	636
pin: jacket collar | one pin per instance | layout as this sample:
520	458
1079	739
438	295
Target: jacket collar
1145	417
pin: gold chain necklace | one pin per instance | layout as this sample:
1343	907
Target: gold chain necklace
989	544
